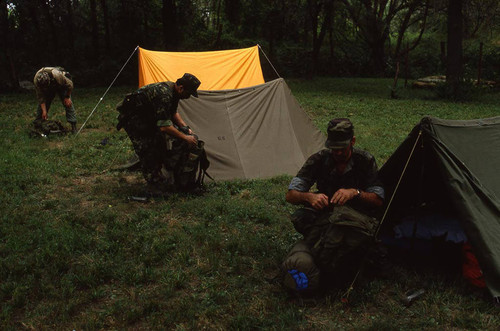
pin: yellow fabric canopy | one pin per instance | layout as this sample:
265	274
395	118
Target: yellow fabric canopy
217	70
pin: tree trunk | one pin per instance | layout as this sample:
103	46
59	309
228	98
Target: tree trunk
94	31
54	35
378	56
315	10
40	38
480	64
169	24
105	17
218	6
146	32
442	56
70	26
454	65
6	44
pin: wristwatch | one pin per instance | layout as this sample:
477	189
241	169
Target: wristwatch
358	193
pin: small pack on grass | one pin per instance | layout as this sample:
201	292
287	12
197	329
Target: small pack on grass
44	128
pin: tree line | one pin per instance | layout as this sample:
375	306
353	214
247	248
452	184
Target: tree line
93	38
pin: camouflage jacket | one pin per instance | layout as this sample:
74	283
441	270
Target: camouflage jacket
59	82
161	98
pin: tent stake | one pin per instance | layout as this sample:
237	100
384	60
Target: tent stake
92	112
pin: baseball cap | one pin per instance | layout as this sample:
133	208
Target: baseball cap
190	83
340	133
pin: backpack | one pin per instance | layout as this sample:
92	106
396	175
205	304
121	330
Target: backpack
338	241
191	167
134	115
43	128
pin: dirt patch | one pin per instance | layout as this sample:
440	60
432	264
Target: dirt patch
97	190
55	144
98	130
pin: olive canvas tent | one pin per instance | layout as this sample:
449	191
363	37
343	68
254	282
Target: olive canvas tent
251	128
452	166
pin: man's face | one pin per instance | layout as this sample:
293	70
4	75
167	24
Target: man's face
182	92
342	154
185	94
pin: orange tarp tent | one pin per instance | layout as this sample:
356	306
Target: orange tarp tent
217	70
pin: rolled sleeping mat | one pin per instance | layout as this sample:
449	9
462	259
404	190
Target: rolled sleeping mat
301	274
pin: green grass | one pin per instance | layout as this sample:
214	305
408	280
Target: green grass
75	253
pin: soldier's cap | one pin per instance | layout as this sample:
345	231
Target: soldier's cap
340	133
190	83
43	79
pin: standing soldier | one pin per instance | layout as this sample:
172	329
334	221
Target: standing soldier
50	81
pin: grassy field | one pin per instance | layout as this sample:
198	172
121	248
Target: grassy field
75	253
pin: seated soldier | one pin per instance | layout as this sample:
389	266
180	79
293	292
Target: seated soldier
348	193
157	131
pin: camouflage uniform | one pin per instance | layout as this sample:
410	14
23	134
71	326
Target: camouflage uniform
337	236
50	81
361	172
151	107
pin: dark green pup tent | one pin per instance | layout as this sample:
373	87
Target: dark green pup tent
453	165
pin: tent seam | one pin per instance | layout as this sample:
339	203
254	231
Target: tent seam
232	130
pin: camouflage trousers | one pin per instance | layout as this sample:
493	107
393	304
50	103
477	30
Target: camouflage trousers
159	154
338	239
49	97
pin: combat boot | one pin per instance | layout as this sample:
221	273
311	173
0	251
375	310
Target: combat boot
73	127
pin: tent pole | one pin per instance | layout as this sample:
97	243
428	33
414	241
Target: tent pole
420	203
269	61
92	112
351	287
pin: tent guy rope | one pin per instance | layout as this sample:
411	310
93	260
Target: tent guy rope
100	100
399	182
269	61
345	297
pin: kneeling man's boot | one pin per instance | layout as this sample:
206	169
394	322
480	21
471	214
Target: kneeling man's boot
73	127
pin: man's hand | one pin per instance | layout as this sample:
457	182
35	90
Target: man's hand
343	195
317	200
43	106
191	140
67	102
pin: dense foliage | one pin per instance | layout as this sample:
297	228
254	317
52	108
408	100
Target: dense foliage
93	38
